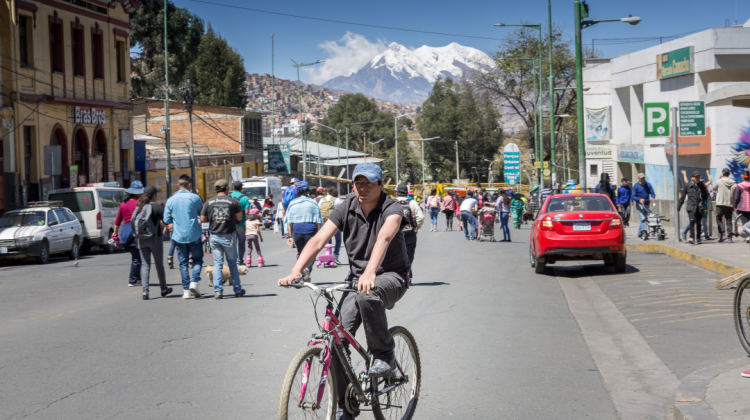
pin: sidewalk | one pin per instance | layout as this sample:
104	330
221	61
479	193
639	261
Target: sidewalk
723	258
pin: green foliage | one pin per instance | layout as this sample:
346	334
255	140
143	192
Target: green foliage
218	72
457	111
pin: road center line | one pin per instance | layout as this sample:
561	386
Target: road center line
638	381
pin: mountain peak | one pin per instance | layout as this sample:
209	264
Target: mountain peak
402	74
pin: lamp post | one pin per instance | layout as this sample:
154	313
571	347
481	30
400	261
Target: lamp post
424	140
581	11
538	97
299	97
563	128
372	147
490	177
395	133
338	150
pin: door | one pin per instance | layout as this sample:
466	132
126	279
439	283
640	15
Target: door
55	232
68	229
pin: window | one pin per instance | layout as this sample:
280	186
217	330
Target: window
62	216
578	203
75	201
51	217
594	170
24	40
27	153
97	54
79	57
109	199
120	61
56	47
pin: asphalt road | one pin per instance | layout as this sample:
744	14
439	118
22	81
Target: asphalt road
496	340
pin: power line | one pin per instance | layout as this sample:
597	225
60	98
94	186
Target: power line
343	22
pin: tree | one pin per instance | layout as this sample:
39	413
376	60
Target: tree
185	31
218	72
458	111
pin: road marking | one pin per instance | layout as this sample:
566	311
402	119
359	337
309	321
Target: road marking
681	314
699	317
648	313
665	301
638	381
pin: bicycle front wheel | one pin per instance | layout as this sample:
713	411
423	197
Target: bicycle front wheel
742	312
291	406
402	401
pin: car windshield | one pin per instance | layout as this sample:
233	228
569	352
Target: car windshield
251	192
22	218
75	201
578	203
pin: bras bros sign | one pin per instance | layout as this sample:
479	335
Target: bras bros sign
674	63
88	116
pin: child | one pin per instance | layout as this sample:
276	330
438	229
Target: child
517	206
252	233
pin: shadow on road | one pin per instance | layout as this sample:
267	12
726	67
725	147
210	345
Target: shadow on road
434	283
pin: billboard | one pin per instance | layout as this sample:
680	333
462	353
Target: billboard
674	63
279	161
511	164
599	124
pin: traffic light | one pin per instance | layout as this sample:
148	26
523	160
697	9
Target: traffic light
584	10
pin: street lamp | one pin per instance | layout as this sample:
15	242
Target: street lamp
372	147
299	97
489	179
338	149
395	133
424	140
581	11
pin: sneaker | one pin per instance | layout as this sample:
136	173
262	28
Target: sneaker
342	414
691	241
218	296
240	293
722	239
698	241
194	289
338	262
166	291
729	240
145	297
186	294
132	284
170	262
684	237
382	369
745	374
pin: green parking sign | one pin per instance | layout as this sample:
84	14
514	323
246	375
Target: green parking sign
656	117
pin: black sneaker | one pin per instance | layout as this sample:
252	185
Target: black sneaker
166	291
145	297
342	414
240	293
382	369
218	296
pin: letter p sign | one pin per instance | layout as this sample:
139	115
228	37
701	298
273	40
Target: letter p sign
657	119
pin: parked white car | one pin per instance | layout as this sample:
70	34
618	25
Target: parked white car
262	187
39	230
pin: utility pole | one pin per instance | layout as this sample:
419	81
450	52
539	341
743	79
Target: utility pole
347	153
273	98
188	96
458	175
676	178
166	108
395	133
553	165
299	97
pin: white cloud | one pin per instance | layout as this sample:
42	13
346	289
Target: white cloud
344	57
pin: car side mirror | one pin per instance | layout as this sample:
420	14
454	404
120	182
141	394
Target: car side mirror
52	223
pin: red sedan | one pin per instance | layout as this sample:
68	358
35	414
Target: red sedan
577	227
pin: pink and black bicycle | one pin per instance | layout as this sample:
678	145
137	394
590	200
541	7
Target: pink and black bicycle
309	389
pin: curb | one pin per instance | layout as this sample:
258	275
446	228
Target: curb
690	402
688	257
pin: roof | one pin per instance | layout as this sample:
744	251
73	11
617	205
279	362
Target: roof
352	161
325	151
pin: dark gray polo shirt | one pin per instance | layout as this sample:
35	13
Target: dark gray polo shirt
360	234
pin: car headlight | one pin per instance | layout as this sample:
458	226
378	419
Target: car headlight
25	238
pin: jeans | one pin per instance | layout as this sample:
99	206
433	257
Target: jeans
135	256
155	247
625	209
470	222
240	244
695	221
337	248
171	248
411	246
358	309
449	219
724	213
300	240
642	210
434	215
504	222
184	252
225	246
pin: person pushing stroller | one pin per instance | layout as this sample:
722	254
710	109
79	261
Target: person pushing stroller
487	215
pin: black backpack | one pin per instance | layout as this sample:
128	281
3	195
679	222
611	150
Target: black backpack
411	226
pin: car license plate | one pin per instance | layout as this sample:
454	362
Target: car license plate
581	226
3	250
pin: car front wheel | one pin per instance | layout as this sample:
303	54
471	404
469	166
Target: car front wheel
43	257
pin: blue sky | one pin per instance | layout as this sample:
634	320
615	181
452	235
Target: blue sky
348	46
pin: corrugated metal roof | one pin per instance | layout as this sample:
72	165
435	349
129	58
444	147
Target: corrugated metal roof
313	148
352	161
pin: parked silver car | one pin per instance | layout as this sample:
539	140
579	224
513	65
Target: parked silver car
39	230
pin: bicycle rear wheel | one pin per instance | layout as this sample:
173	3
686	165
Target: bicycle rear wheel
290	406
402	401
742	313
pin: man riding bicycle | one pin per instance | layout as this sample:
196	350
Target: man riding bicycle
371	223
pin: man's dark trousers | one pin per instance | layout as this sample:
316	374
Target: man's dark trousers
695	222
411	247
724	213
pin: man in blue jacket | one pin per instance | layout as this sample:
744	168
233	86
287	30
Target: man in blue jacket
643	192
290	193
624	197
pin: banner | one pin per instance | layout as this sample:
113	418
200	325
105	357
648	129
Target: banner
279	161
599	124
630	153
511	164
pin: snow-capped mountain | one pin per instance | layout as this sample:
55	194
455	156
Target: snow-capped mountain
400	74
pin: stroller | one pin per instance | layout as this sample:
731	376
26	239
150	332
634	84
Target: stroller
487	221
267	219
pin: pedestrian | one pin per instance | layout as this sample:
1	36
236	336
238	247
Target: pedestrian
696	194
256	204
280	212
414	217
319	194
624	198
172	245
468	207
725	189
252	233
643	192
327	205
124	231
268	203
517	206
433	203
605	187
742	198
458	211
290	193
153	214
241	198
222	213
182	217
303	219
503	208
449	209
